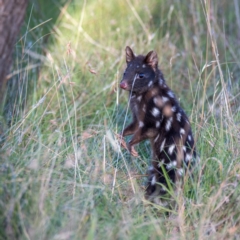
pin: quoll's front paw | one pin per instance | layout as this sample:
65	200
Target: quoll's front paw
125	145
120	138
132	150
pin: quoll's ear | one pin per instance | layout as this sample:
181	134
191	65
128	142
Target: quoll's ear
129	54
152	59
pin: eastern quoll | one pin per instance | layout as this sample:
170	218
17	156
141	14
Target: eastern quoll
158	117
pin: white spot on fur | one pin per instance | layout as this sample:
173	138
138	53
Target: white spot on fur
153	182
170	94
189	138
171	165
144	108
141	124
135	106
160	81
137	66
168	124
165	99
155	112
182	131
139	98
155	100
156	138
150	84
157	124
179	117
174	108
151	168
143	65
184	148
180	172
162	145
188	158
171	148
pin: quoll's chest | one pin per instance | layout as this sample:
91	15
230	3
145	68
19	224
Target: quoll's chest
138	106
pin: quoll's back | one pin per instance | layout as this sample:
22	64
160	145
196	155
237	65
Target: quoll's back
158	117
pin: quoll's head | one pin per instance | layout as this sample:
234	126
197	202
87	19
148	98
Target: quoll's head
141	71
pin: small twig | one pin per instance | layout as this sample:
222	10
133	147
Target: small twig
139	175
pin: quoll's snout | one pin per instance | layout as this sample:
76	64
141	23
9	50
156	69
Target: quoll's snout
124	85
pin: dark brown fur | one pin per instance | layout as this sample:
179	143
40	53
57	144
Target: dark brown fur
158	117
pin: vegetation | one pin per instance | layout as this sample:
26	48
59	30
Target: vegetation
63	174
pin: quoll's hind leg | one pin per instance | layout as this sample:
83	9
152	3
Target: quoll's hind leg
151	187
156	186
163	170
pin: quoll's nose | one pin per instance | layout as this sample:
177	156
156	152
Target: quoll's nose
123	85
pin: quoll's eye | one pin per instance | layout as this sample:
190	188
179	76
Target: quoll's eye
141	75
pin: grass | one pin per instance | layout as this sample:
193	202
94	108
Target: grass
63	174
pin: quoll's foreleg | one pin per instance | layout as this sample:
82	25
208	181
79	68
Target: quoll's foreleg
130	129
138	137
